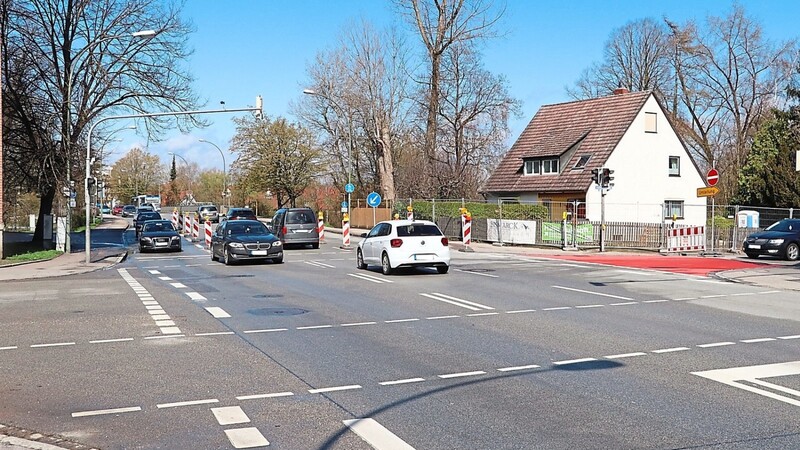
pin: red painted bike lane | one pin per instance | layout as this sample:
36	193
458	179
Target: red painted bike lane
690	265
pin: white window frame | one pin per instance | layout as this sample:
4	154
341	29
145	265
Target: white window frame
673	207
674	172
541	166
650	122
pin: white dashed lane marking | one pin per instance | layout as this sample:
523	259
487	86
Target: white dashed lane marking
217	312
101	412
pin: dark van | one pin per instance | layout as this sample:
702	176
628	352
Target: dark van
296	226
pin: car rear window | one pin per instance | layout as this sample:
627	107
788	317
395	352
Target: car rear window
418	230
208	208
300	217
149	216
246	229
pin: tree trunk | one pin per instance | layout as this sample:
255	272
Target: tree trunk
45	208
386	164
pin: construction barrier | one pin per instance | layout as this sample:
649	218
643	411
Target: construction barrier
207	227
187	225
321	226
686	239
410	215
195	229
175	219
466	228
346	231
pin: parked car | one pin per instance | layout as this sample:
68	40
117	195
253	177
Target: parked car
240	214
116	210
128	211
404	243
780	239
241	240
105	209
296	226
159	235
142	217
208	212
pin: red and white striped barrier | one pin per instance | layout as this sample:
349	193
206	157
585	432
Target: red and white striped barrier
321	227
187	225
175	219
686	239
207	227
346	233
195	229
410	215
466	229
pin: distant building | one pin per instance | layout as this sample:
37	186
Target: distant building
552	161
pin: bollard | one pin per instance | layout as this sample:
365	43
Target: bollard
187	226
321	226
175	222
208	233
466	229
195	228
345	232
410	215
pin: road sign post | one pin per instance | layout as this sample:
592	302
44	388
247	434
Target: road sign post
712	178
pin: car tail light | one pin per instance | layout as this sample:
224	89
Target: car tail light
396	243
283	230
445	241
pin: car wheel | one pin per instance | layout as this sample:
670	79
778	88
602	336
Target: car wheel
141	249
213	255
227	258
278	260
442	269
792	252
360	260
386	266
752	255
315	246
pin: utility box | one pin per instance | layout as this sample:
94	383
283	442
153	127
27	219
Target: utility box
747	219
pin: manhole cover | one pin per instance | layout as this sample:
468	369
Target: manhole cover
268	296
277	311
479	270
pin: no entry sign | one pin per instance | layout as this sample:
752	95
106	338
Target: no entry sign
712	177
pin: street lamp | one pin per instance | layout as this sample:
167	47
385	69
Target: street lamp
340	112
224	172
66	129
188	178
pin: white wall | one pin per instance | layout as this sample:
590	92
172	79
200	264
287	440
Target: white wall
641	176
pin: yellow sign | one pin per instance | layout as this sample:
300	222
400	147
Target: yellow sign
707	191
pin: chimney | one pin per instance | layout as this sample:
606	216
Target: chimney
620	90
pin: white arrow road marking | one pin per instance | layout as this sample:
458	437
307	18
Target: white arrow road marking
738	376
376	434
472	306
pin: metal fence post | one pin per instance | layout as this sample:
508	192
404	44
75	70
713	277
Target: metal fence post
433	209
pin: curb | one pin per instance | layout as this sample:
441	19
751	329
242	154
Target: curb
20	438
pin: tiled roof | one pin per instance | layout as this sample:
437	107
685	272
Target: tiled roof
598	124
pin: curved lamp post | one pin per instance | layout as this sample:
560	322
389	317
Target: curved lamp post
224	171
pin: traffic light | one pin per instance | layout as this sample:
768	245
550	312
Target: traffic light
607	178
91	185
596	176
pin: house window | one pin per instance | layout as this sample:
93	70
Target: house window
650	122
673	208
581	162
674	166
541	166
581	207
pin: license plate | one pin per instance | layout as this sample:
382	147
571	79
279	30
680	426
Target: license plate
423	257
161	244
259	253
755	246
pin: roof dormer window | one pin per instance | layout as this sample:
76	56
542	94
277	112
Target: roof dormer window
582	162
541	166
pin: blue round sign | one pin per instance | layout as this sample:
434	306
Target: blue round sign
349	188
374	199
344	204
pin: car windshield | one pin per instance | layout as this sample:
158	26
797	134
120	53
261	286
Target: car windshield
418	230
208	208
241	212
158	226
149	216
785	225
299	217
242	229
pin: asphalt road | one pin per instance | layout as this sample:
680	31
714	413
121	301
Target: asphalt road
504	352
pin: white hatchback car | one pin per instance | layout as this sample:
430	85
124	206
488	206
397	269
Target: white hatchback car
404	243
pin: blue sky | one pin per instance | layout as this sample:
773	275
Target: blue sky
245	48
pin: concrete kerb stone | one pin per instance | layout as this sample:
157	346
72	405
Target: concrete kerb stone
16	438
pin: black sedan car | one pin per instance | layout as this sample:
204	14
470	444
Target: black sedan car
242	240
159	235
780	239
143	217
240	214
128	211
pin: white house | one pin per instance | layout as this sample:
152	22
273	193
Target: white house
654	176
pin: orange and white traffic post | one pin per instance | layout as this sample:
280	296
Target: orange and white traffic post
195	228
207	228
175	218
187	226
410	210
466	229
345	232
321	226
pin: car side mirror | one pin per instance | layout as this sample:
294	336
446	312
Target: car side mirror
363	235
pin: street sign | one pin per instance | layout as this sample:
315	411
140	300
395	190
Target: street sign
712	177
707	191
344	205
349	188
72	203
374	199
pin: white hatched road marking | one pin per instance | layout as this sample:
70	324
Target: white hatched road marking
151	305
246	438
195	296
472	306
376	435
592	292
371	278
217	312
738	377
230	415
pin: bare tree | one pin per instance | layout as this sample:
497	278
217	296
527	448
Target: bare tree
637	57
72	62
441	24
